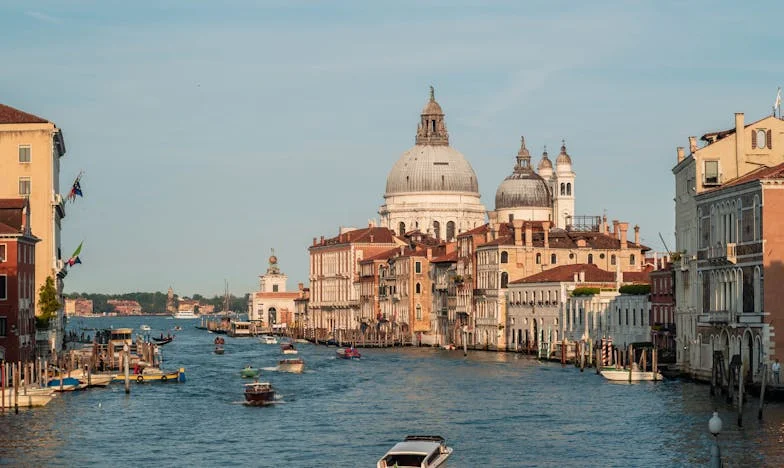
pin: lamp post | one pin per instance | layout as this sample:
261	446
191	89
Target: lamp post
714	426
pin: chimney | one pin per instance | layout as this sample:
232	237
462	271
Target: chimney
529	235
693	144
603	224
402	249
314	241
636	235
492	216
348	237
680	153
300	286
740	144
582	276
322	240
429	253
623	228
372	237
615	229
518	231
546	227
576	277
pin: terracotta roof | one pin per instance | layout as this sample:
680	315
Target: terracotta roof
8	203
6	229
385	255
637	277
561	239
448	258
9	115
280	295
380	235
565	273
775	172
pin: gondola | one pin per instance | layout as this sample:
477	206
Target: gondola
163	341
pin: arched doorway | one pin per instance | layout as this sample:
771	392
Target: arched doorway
272	314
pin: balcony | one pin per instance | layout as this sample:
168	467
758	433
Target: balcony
59	205
716	317
721	254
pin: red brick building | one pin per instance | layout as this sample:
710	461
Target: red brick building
17	281
663	308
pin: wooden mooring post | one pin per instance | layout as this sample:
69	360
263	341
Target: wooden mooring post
655	364
762	390
740	397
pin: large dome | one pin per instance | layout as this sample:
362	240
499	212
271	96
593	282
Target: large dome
523	188
432	168
432	165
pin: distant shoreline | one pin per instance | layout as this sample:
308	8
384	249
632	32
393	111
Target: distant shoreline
116	315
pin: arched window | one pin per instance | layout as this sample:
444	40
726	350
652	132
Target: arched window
538	259
504	279
504	257
418	312
418	288
612	259
590	258
450	230
568	188
437	229
563	188
401	228
553	259
631	260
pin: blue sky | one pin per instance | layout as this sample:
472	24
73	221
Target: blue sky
210	132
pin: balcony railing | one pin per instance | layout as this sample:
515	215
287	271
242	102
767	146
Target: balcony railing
716	317
721	253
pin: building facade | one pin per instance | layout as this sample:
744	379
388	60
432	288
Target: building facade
17	282
272	305
663	308
78	307
30	152
726	155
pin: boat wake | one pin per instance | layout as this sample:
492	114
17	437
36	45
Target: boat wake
270	369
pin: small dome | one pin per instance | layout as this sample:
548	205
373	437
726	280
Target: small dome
563	158
545	163
432	107
273	260
523	188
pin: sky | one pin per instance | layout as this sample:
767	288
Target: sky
212	132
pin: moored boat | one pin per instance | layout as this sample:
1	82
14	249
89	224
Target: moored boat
266	339
157	375
31	398
249	372
348	353
65	384
417	451
295	366
259	394
625	375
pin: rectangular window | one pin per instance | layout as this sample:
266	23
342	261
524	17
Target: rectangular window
711	176
24	186
3	287
3	326
418	267
2	253
24	153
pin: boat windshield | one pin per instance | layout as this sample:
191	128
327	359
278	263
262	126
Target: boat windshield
402	460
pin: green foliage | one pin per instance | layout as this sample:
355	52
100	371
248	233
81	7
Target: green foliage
47	303
585	291
155	302
635	289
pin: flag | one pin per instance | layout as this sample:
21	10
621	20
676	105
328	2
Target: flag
778	98
76	189
75	256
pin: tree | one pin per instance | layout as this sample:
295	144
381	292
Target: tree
47	302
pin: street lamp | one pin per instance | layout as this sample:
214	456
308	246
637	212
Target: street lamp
714	426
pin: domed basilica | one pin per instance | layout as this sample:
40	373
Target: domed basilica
434	189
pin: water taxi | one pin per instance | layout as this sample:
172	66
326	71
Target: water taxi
288	348
347	353
259	394
294	366
417	451
157	375
266	339
145	328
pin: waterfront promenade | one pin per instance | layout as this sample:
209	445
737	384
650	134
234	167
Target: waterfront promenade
495	409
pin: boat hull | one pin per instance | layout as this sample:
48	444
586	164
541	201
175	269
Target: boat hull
292	367
218	350
33	399
621	375
347	354
249	373
163	377
260	398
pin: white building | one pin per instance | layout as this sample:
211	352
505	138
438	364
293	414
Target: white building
272	305
432	187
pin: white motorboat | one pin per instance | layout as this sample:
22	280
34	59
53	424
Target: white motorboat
417	451
625	375
145	328
186	314
27	398
266	339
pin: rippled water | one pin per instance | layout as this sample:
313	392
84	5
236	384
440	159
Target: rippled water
494	409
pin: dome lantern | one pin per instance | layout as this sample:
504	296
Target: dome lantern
432	128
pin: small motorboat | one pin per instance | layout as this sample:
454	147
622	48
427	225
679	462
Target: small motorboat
288	348
69	384
448	347
633	375
219	349
145	328
151	374
259	394
295	366
301	341
177	328
249	372
266	339
219	342
348	353
417	451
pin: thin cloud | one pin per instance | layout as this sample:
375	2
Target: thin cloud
43	17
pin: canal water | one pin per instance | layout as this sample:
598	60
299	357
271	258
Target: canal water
494	409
